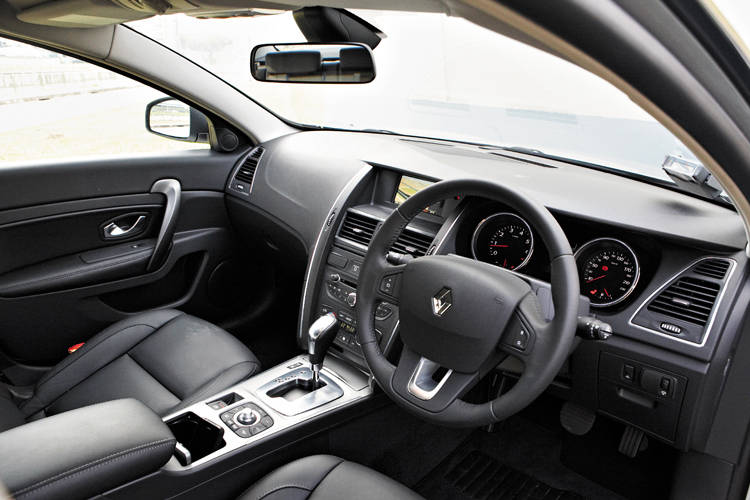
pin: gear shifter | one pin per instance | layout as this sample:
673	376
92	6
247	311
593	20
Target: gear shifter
321	335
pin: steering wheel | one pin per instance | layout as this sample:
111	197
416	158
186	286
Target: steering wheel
459	318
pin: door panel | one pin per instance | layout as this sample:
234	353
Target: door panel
62	281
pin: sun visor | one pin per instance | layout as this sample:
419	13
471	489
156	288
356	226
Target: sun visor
91	13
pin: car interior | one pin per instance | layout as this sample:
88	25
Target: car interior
326	310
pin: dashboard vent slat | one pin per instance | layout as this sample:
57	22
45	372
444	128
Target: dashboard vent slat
246	172
713	268
687	299
412	243
358	228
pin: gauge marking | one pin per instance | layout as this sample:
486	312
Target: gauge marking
608	270
503	239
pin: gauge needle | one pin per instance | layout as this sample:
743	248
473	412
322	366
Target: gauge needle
594	279
605	291
503	246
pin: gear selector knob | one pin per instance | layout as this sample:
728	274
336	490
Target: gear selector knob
320	336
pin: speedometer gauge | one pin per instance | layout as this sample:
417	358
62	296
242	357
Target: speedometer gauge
504	240
608	270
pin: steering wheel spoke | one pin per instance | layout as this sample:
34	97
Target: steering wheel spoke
426	384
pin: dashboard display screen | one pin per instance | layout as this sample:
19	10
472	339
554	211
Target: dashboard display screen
409	186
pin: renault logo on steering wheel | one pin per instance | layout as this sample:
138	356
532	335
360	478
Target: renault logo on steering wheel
442	301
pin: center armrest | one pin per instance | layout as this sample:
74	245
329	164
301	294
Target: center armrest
85	452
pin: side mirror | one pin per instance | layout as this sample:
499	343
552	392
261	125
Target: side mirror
170	118
313	63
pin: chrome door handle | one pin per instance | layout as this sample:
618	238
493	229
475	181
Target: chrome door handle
112	230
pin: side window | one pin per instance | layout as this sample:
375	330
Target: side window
53	106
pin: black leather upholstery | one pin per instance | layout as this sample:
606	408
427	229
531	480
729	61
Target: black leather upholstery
166	359
84	452
324	477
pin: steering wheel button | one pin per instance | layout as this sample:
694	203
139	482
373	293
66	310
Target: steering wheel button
387	284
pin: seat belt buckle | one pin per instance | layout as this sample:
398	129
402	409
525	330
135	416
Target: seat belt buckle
74	348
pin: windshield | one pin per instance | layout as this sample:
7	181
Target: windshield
441	77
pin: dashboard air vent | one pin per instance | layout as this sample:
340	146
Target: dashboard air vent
713	268
413	243
247	171
358	228
687	299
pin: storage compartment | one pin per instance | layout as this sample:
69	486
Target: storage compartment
225	400
198	436
171	288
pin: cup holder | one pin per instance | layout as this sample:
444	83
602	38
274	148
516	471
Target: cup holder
199	437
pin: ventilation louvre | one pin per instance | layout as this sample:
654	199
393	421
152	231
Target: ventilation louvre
358	228
687	299
713	268
412	243
246	172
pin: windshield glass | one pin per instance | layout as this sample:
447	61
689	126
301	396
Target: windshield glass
441	77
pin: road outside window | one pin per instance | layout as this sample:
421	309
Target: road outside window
53	106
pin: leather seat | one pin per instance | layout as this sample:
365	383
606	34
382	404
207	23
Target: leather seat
325	477
166	359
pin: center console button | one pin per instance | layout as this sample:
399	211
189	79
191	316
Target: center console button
267	421
244	432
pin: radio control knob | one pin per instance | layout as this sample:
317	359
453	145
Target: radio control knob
351	299
335	278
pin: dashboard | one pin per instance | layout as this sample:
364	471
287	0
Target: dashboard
662	268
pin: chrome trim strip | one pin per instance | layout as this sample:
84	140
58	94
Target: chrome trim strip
710	323
450	228
485	221
637	269
316	249
393	335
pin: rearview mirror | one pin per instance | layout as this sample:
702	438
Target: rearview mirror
313	63
170	118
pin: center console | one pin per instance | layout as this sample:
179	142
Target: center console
261	407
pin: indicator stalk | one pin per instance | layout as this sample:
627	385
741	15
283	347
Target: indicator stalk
593	329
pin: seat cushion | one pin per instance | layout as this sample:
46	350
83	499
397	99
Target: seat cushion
166	359
325	477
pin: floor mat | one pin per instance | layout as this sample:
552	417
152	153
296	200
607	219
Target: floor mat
518	463
481	477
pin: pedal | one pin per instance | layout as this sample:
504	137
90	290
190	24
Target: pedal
576	420
632	442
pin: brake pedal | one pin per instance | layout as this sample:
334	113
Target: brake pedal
576	420
632	442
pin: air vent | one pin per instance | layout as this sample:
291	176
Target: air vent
358	228
247	171
713	268
413	243
687	299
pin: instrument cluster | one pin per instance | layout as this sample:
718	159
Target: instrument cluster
608	268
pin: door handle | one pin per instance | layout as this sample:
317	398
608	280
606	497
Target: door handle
112	230
171	189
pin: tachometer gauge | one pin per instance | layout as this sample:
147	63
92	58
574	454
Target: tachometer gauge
504	240
608	270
